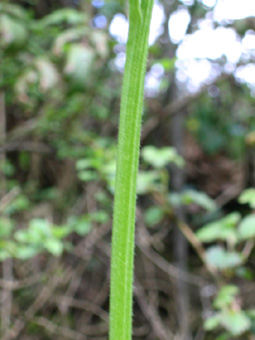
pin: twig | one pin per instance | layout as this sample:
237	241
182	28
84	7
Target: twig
159	261
21	131
6	309
197	245
16	285
151	314
39	302
8	198
249	245
25	146
65	332
83	304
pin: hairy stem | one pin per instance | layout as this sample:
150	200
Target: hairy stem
127	167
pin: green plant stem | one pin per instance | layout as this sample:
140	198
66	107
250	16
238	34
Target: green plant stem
126	174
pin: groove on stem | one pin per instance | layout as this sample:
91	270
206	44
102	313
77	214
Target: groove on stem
126	174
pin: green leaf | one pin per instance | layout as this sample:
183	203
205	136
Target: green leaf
7	249
6	227
24	82
167	63
199	198
225	296
100	216
7	168
36	233
248	197
65	15
222	259
13	10
20	203
82	164
147	181
99	40
212	322
60	232
12	32
175	199
67	36
87	176
223	229
236	322
251	313
4	254
245	273
79	62
246	228
159	158
40	226
48	75
81	225
26	252
54	246
153	216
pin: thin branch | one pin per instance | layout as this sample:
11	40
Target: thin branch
160	331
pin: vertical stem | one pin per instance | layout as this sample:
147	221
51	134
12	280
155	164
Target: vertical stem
181	244
121	293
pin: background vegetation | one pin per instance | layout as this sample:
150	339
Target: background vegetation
59	108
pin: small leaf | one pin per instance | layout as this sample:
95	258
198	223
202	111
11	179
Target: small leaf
87	176
251	313
48	75
81	225
54	246
212	322
6	227
67	36
100	41
225	296
60	232
159	158
28	78
26	252
79	62
248	197
199	198
38	230
82	164
167	63
7	249
12	32
245	273
4	254
153	216
236	322
13	10
40	226
20	203
222	259
223	229
100	216
65	15
247	227
147	181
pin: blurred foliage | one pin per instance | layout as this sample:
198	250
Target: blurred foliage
61	85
